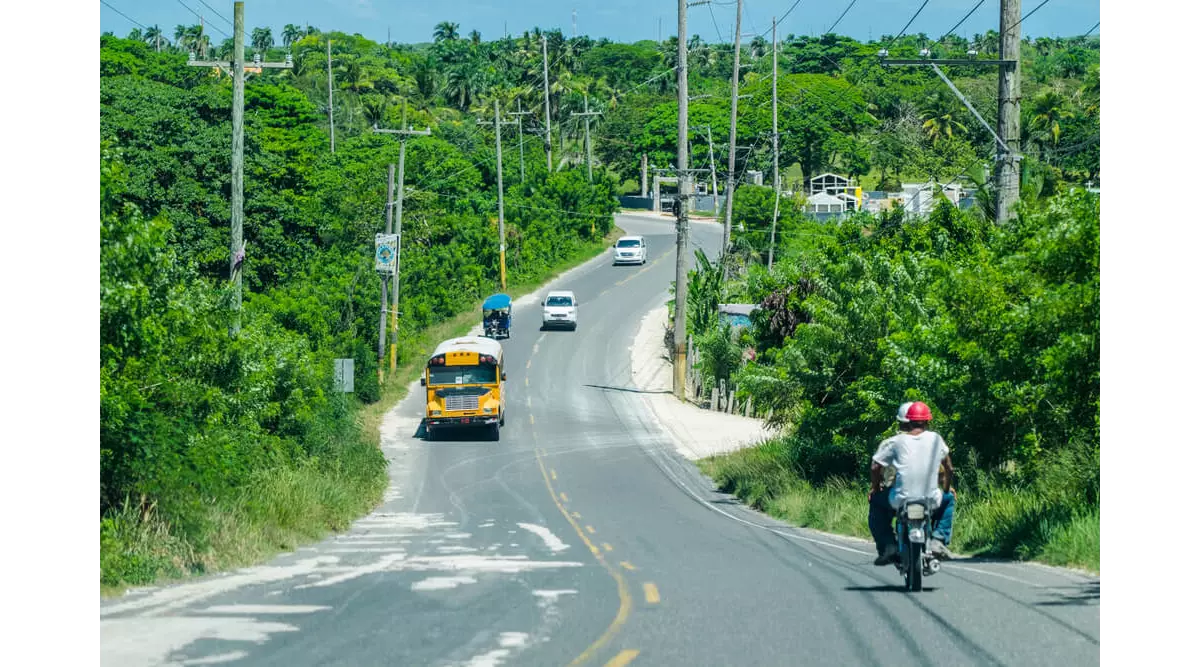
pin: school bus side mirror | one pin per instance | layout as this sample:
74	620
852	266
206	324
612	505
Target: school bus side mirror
422	382
503	376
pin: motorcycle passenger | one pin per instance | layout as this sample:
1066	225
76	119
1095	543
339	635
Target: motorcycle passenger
909	455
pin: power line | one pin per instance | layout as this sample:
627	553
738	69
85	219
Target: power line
962	20
1022	20
1092	30
217	13
127	17
839	19
781	18
199	16
910	22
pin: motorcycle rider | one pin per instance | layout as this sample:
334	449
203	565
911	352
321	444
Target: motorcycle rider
908	455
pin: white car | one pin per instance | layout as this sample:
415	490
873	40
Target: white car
630	250
560	309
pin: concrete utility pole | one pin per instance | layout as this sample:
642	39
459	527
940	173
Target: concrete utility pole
681	229
712	163
405	132
520	134
1008	176
383	281
500	185
587	131
546	93
774	138
329	77
643	174
731	178
237	69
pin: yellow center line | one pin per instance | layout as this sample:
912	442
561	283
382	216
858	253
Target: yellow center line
577	515
563	496
607	546
590	530
530	419
526	382
627	565
626	599
553	475
651	593
623	658
529	364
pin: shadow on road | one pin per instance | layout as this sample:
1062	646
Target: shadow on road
1082	595
626	389
469	434
893	588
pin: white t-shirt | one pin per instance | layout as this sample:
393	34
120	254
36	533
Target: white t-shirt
916	459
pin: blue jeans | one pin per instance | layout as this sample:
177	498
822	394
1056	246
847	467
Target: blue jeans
881	516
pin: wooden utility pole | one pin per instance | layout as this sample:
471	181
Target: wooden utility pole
774	138
329	78
405	132
237	69
681	225
546	94
520	134
587	131
500	186
1008	175
731	178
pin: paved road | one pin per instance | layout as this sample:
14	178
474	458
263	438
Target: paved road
582	538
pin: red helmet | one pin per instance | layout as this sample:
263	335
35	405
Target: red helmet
914	412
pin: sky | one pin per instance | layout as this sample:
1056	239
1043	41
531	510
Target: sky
413	21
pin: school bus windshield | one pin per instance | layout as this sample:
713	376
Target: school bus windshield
441	375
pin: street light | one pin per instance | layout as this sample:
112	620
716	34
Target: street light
883	53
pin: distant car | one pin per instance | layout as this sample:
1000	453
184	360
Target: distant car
630	250
560	309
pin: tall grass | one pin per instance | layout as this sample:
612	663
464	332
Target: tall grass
993	520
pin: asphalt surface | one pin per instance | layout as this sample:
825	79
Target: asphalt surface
583	538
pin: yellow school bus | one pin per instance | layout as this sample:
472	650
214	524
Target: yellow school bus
464	386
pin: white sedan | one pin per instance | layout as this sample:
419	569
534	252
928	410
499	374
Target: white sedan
630	250
560	309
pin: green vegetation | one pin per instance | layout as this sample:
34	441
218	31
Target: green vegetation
218	451
996	327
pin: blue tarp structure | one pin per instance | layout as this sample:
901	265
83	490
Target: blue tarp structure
497	301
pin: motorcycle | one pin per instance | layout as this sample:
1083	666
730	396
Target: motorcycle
913	532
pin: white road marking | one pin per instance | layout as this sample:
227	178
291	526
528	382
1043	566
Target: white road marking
441	583
253	609
551	540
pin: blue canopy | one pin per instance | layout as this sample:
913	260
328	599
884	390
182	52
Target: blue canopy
497	302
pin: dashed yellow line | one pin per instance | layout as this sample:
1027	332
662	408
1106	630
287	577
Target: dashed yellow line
651	592
553	475
526	382
530	419
626	604
627	565
623	658
590	530
529	364
607	546
563	496
577	515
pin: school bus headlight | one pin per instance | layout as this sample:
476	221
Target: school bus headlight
487	410
435	413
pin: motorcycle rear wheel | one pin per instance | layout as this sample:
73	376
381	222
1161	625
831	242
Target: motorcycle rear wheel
913	569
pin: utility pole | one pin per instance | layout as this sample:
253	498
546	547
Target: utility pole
237	69
1008	178
500	186
1008	155
681	228
731	178
587	131
774	138
546	93
643	174
520	135
405	132
329	77
574	32
383	281
712	163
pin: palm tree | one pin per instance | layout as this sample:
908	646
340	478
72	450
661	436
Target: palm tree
291	33
1048	109
475	37
758	47
309	31
462	85
261	39
152	35
135	35
445	31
